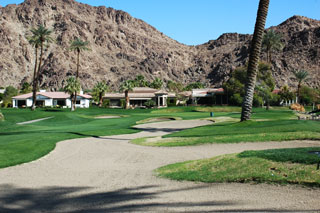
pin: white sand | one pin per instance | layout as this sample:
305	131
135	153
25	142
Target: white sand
109	174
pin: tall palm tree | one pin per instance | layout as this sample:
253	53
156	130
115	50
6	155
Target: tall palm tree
78	45
300	75
100	89
271	41
40	36
254	59
72	86
127	86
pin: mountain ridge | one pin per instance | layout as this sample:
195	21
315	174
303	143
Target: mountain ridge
123	46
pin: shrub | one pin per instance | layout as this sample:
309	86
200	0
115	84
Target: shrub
150	103
106	103
1	117
172	102
123	103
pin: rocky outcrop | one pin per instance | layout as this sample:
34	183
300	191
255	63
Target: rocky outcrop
123	47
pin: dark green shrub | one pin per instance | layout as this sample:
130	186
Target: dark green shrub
150	103
106	103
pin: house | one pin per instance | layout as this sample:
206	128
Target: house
138	96
51	99
207	96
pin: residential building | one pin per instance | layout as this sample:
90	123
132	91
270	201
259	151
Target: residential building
51	99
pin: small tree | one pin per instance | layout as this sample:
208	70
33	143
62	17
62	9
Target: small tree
300	75
72	86
126	87
8	94
26	88
99	91
271	42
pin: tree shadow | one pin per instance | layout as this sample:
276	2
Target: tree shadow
80	199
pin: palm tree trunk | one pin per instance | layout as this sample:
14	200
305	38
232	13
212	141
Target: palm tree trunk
298	93
77	76
38	75
34	88
254	59
127	99
100	99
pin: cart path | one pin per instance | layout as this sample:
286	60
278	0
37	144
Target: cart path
34	121
109	174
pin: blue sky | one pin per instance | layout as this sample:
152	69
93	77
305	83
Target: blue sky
197	21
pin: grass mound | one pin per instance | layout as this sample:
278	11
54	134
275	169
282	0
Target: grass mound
279	166
170	110
158	119
217	109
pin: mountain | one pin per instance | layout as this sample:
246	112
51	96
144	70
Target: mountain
123	47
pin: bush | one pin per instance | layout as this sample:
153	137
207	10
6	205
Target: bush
236	99
123	103
1	117
106	103
257	101
172	102
150	103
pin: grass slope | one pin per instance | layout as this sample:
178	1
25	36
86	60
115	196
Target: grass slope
272	125
280	166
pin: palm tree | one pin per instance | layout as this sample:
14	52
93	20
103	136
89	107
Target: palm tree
100	89
157	83
127	86
254	59
140	81
39	37
300	75
72	86
271	41
78	45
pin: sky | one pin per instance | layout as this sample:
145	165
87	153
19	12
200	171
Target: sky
195	22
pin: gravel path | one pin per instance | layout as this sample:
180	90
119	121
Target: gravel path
33	121
109	174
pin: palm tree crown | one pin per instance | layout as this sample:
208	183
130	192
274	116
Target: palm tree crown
99	89
72	86
126	87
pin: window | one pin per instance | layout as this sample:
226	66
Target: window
78	102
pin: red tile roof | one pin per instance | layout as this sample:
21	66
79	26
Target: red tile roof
51	95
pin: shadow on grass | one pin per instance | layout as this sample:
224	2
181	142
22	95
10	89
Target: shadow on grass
80	199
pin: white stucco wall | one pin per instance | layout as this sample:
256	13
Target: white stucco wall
48	103
29	102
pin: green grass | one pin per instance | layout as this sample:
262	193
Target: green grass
279	166
25	143
272	125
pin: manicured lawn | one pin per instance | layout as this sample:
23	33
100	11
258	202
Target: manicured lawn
25	143
272	125
280	166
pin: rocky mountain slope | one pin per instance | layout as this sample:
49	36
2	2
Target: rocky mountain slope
123	47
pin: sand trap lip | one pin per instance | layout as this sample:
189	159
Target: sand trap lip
107	117
34	121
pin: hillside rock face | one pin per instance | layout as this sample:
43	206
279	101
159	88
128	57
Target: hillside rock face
123	47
